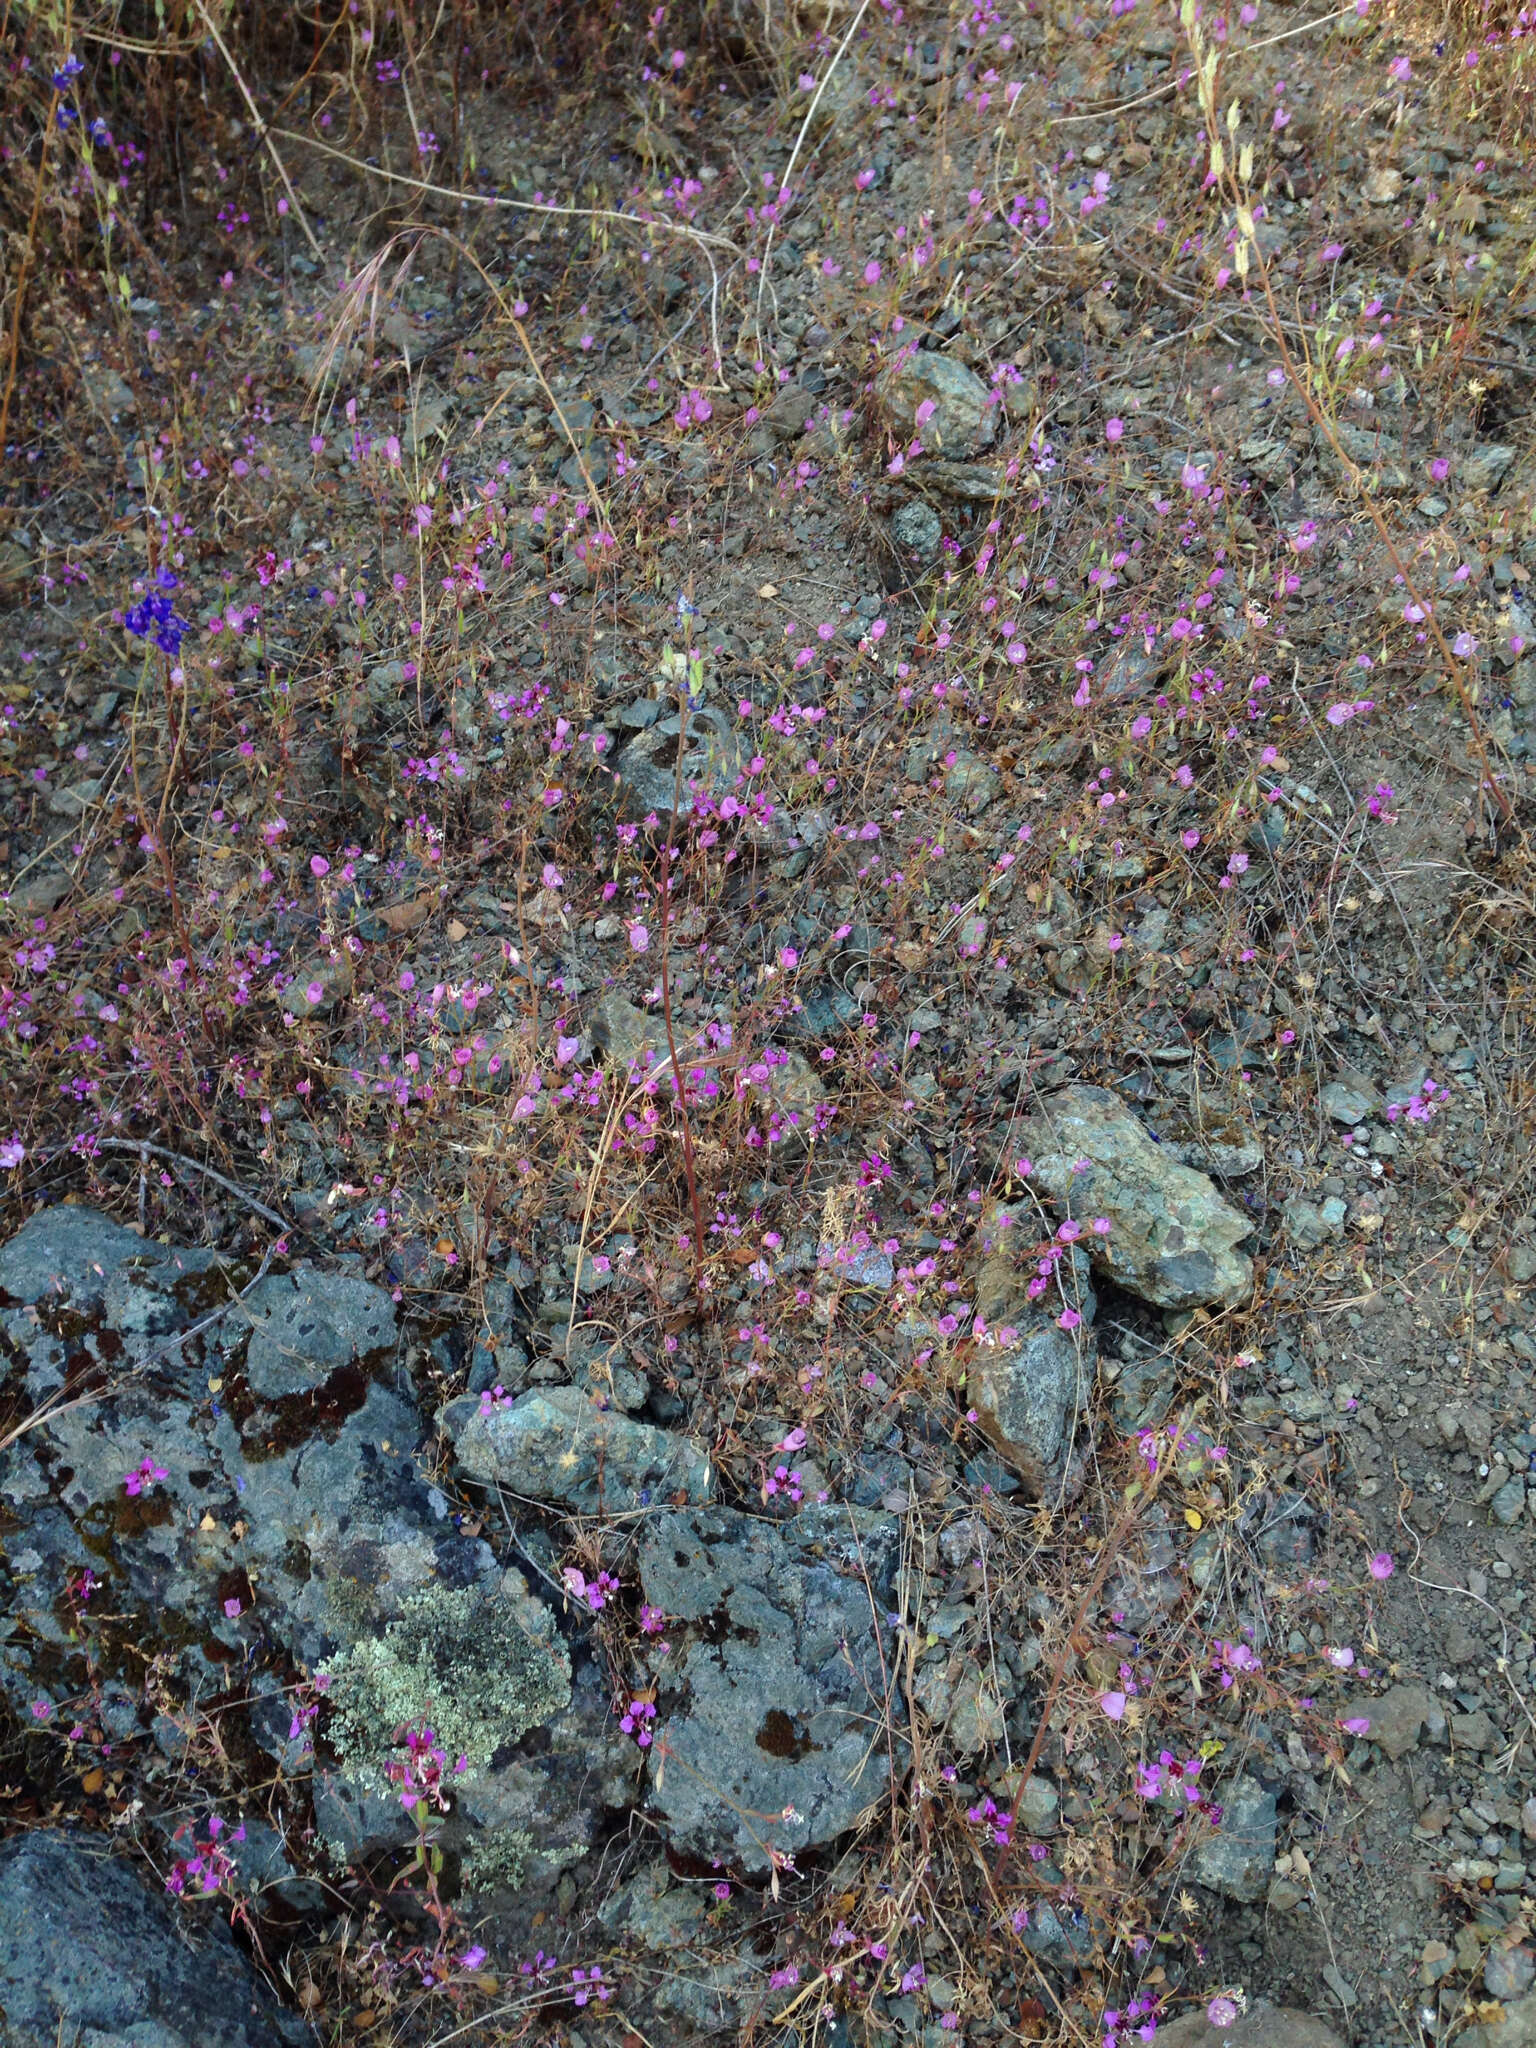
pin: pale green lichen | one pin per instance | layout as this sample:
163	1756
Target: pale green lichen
496	1862
477	1671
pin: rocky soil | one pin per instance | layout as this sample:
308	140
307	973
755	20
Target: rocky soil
768	1212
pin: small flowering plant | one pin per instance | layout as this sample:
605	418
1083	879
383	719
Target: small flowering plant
594	1593
144	1477
210	1867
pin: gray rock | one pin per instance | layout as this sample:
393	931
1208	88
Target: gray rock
669	1920
1039	1808
964	416
317	986
67	1252
1262	2026
1239	1858
767	1735
307	1324
1484	468
971	781
1508	1503
1172	1237
89	1953
1223	1147
1306	1226
647	765
558	1445
917	530
40	893
1344	1104
1516	2028
1475	1731
972	483
961	1701
1029	1399
1398	1717
1509	1973
1064	1938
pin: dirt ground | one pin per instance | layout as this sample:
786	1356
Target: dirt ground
525	480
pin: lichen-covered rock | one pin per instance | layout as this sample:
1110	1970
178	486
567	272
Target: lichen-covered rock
227	1517
71	1254
939	401
307	1324
557	1444
90	1953
647	765
1239	1858
1172	1239
772	1730
479	1670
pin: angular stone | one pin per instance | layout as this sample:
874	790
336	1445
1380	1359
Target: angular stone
1239	1858
1262	2026
1344	1104
1509	1973
1508	1504
962	1702
1516	2028
1485	466
1172	1238
558	1445
647	765
777	1681
964	416
1030	1398
972	483
89	1953
1397	1716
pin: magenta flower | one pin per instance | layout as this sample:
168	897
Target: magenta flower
1381	1565
144	1476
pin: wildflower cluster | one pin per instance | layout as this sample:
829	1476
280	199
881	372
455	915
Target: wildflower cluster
155	617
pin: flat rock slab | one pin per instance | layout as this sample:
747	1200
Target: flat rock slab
89	1953
69	1252
1173	1239
306	1325
558	1445
773	1730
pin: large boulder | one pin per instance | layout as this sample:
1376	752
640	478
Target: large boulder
90	1953
771	1727
251	1499
1172	1238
